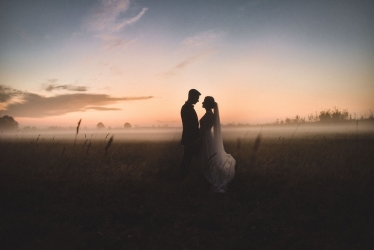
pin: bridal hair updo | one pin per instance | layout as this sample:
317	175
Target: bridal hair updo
209	102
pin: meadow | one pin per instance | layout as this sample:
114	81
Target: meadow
294	189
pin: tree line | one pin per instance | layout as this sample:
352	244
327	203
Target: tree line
334	115
326	116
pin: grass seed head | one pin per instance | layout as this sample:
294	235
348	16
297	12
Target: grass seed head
79	123
108	145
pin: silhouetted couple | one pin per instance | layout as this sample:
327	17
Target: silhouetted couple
217	166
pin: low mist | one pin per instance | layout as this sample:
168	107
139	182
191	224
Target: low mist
174	134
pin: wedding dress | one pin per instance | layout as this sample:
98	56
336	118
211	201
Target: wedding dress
217	165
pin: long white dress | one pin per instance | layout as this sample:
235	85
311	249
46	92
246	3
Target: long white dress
217	165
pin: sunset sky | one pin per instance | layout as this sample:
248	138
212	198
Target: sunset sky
117	61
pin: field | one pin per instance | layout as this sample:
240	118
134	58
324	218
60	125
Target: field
294	190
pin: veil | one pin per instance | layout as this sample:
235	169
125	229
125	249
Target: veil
218	143
224	164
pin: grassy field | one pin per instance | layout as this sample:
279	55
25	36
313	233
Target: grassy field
294	192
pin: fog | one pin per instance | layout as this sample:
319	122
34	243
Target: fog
174	134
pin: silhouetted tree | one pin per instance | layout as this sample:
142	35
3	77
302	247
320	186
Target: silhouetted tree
313	118
335	115
371	115
8	123
325	116
127	125
338	115
100	125
298	119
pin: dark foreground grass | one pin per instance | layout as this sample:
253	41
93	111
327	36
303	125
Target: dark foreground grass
304	193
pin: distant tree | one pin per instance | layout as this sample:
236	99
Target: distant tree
296	119
100	125
299	119
338	115
310	118
313	117
127	125
325	116
371	115
8	123
334	115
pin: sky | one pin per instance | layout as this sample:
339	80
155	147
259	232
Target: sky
117	61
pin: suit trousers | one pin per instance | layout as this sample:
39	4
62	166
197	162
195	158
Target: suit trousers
190	150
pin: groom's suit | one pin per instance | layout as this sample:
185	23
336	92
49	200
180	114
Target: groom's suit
190	135
190	124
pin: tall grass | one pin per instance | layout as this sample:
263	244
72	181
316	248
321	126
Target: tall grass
76	134
307	193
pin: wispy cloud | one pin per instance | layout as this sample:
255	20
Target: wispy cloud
34	105
102	108
7	93
69	87
52	85
113	42
124	23
188	61
105	15
202	40
201	44
116	70
109	18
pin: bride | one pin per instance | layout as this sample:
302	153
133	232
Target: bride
217	165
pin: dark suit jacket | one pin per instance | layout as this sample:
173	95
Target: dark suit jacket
190	124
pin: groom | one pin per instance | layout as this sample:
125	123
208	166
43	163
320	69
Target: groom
190	134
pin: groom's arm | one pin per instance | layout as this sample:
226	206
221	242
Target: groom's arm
190	121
